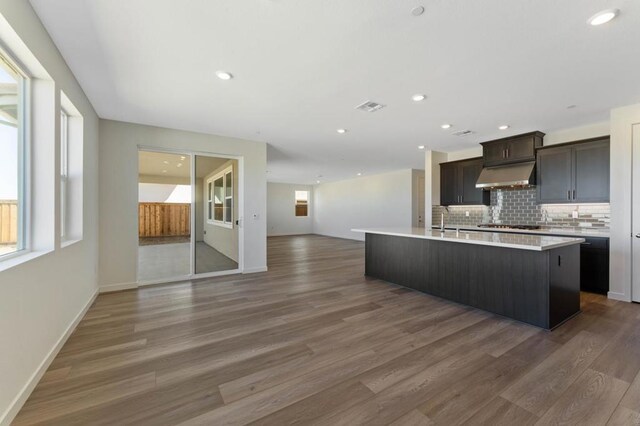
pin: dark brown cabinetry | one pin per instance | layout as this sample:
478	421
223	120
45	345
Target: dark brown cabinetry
574	173
514	149
458	183
594	265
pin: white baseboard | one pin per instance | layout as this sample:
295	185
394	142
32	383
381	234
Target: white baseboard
618	296
21	398
117	287
255	270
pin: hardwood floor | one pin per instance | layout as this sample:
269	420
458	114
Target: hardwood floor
313	341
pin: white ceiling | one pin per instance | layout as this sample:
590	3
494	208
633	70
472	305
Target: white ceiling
151	163
301	66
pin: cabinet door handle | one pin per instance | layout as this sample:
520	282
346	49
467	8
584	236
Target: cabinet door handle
507	152
574	194
569	194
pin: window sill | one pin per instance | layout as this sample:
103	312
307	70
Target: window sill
20	258
67	243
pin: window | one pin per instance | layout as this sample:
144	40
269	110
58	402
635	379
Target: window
71	171
220	198
12	153
302	203
64	171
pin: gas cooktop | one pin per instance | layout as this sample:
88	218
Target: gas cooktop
500	226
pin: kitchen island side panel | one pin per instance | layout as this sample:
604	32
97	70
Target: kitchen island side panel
506	281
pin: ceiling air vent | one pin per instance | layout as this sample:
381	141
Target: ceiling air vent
462	133
369	106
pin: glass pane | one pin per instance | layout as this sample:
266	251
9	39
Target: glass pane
209	201
228	210
229	188
164	215
216	241
218	198
10	158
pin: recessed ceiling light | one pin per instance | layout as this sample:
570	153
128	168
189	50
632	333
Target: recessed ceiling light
164	171
317	181
418	98
420	146
341	131
503	127
165	162
223	75
359	174
182	157
179	165
603	17
446	126
417	11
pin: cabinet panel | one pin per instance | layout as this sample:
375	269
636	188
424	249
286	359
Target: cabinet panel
494	153
468	176
521	149
554	180
514	149
448	184
594	265
591	172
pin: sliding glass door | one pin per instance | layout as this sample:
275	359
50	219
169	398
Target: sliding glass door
188	216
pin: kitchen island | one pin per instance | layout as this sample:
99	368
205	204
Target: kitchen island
529	278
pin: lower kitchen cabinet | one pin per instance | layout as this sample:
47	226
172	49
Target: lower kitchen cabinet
594	265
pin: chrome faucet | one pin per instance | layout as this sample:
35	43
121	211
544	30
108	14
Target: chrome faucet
442	222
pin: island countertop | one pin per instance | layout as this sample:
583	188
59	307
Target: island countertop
495	239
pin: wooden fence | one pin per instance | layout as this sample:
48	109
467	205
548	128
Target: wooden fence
164	219
8	221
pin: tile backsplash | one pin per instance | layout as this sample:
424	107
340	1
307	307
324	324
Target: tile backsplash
518	207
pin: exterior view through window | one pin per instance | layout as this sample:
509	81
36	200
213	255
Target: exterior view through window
11	158
302	203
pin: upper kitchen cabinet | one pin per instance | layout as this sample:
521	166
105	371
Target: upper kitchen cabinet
458	183
514	149
577	172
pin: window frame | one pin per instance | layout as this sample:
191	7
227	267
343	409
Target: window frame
226	175
23	110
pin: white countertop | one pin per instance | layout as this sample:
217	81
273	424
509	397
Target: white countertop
568	232
496	239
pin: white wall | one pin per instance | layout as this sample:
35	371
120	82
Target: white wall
118	193
225	240
41	299
382	200
281	215
622	120
163	193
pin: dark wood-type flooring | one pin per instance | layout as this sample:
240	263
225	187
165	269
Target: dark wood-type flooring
313	341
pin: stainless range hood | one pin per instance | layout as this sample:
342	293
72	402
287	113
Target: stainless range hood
519	174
